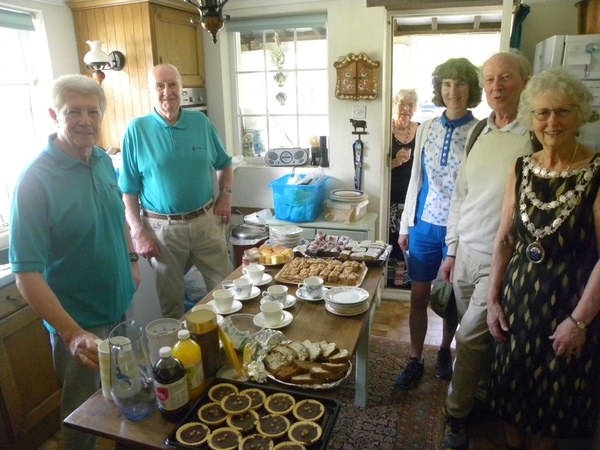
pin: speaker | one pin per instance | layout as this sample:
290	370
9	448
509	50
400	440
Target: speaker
286	157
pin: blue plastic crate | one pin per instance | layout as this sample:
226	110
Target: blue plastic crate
298	203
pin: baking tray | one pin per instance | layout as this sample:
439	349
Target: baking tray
370	263
327	422
361	275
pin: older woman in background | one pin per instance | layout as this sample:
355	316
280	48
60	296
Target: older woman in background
404	131
544	292
439	151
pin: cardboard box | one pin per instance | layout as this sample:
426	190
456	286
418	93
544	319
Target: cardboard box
344	212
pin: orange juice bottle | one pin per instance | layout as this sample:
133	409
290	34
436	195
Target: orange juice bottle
189	353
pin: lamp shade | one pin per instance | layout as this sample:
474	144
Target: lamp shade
95	57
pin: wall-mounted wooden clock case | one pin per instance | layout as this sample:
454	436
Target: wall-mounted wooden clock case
357	77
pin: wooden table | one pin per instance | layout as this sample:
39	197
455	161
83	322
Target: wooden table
311	321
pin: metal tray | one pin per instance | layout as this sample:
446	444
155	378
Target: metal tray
327	422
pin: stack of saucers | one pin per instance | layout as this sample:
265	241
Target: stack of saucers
286	236
346	301
348	195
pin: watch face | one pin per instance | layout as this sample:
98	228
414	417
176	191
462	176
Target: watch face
133	257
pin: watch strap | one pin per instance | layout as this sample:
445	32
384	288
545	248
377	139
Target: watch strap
578	324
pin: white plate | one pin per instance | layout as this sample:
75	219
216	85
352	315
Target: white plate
287	319
235	307
332	310
289	301
346	295
266	279
255	292
301	293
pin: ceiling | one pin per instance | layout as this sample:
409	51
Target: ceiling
465	23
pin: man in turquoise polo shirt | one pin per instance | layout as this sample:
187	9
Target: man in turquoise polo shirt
169	158
69	243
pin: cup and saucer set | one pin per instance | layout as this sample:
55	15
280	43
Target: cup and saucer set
256	273
242	288
311	289
273	305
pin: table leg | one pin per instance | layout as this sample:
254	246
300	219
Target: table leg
362	362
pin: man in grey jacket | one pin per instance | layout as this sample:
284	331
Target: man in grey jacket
472	225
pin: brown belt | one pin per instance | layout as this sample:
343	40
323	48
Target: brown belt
185	216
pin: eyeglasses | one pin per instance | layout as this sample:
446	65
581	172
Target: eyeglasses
406	105
543	114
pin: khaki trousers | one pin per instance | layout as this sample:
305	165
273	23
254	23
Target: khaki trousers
201	240
473	340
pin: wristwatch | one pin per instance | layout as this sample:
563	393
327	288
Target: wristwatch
226	190
133	257
578	324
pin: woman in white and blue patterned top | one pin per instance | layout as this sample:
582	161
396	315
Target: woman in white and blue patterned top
439	150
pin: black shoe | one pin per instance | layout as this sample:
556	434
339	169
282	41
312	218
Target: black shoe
455	434
413	373
443	368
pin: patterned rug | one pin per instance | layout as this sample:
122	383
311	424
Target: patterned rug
394	419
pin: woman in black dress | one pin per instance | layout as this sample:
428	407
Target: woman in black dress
404	131
544	293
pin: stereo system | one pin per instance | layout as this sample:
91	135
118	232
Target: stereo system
286	157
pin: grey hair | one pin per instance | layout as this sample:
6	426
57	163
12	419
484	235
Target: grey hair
151	77
559	83
524	65
406	93
79	84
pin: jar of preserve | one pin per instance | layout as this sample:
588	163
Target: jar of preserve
250	256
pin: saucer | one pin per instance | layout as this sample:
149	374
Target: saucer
287	319
254	293
289	301
266	279
235	307
301	293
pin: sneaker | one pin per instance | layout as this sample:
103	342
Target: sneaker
413	373
443	368
455	434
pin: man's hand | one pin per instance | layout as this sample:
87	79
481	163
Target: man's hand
83	348
447	268
145	246
223	207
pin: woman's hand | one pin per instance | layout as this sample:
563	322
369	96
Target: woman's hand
568	339
496	321
403	242
403	156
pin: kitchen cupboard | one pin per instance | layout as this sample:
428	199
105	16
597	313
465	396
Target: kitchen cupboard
30	391
147	32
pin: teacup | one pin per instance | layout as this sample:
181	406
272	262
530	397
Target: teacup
242	287
313	286
276	293
223	300
272	313
255	272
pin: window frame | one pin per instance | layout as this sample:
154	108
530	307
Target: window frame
266	25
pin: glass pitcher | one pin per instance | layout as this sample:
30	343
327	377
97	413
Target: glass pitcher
132	385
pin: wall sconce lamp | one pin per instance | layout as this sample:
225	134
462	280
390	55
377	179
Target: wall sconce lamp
211	15
97	60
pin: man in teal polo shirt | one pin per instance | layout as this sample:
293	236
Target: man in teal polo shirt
69	243
169	158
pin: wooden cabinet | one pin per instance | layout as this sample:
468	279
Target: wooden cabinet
30	391
357	78
147	32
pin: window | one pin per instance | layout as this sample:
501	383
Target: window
280	79
24	109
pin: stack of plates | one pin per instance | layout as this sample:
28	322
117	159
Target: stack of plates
286	236
346	301
348	195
